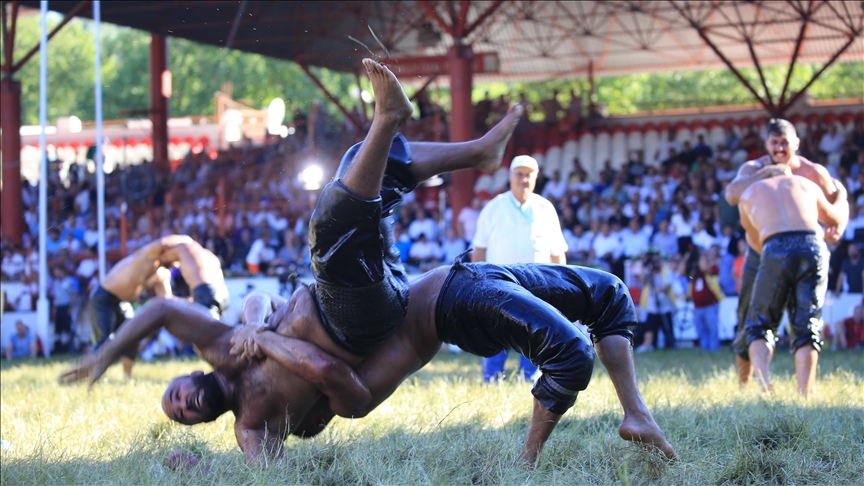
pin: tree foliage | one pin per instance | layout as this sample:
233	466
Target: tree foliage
199	70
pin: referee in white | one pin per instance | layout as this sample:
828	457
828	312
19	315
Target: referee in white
518	226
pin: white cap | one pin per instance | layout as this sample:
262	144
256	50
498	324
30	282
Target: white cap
524	161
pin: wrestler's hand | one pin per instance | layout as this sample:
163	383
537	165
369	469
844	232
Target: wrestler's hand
776	170
243	343
88	367
833	234
181	460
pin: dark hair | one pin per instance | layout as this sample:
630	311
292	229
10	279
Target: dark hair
779	126
214	398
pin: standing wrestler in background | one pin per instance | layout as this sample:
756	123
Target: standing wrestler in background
793	271
110	300
781	144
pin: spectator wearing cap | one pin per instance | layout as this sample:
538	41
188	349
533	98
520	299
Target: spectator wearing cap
518	226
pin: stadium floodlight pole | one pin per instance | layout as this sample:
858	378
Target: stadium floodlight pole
100	168
42	310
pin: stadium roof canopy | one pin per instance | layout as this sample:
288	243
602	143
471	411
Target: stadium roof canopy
533	39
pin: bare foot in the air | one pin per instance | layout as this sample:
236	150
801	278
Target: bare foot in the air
391	102
495	140
643	429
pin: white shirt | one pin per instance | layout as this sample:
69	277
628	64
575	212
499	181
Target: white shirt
426	226
82	199
555	190
832	144
629	211
634	244
703	240
428	250
607	244
468	217
680	226
452	249
514	233
255	251
278	224
87	268
91	238
666	244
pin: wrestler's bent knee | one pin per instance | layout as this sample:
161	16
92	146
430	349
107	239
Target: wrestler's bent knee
618	312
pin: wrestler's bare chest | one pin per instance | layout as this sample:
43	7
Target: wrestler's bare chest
268	396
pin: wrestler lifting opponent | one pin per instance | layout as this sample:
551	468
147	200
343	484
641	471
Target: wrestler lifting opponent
781	145
792	273
444	301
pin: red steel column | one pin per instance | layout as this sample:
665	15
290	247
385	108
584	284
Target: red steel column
12	214
158	101
461	126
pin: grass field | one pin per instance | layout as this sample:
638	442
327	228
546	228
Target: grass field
444	426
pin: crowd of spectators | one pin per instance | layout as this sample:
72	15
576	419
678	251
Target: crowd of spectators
670	209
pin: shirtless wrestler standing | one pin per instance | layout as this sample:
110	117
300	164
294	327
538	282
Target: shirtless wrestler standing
781	145
783	213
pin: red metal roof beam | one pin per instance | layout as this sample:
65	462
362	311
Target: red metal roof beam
828	64
805	26
482	18
430	10
348	115
9	37
460	20
69	16
423	88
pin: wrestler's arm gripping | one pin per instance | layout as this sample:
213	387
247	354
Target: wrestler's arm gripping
330	375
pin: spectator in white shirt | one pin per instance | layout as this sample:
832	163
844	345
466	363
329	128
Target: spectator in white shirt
91	235
13	264
82	199
452	246
468	219
518	226
635	206
277	220
607	247
424	225
682	226
634	240
663	241
832	141
424	253
701	238
87	267
555	188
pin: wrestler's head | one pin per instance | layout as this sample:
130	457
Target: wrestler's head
194	399
782	141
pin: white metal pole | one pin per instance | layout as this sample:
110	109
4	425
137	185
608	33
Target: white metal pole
42	306
100	170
